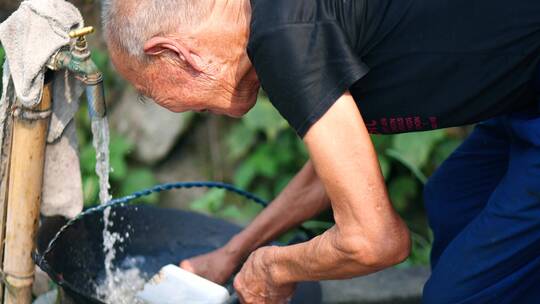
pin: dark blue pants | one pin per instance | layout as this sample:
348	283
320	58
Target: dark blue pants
483	205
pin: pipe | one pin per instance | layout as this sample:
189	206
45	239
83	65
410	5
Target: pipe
95	96
24	197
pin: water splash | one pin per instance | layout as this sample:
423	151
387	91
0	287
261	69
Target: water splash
126	284
109	241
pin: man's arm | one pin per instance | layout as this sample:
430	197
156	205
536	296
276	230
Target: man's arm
303	198
368	235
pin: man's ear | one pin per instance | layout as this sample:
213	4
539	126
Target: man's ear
159	45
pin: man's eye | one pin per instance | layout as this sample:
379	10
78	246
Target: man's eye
144	99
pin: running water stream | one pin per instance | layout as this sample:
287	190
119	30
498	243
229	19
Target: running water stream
101	139
119	286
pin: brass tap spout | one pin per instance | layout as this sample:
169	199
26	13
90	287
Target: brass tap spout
79	62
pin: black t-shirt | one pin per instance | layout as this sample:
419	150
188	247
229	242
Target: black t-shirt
411	65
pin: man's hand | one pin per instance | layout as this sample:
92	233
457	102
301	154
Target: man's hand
217	266
302	199
255	283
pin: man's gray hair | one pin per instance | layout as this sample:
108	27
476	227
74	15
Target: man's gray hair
128	24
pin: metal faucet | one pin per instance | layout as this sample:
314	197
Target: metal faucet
79	62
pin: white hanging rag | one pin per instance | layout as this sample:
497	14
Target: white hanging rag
30	37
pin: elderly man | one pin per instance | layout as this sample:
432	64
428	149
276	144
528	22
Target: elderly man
338	70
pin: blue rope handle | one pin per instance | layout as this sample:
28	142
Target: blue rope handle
40	258
186	185
209	185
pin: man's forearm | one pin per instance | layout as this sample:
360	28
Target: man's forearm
301	200
369	235
323	259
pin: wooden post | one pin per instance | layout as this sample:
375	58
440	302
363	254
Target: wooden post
24	199
4	179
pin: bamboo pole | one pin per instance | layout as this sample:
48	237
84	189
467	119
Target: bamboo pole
4	179
24	200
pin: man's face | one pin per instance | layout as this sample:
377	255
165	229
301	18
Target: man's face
229	90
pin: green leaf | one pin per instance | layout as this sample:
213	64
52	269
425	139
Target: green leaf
416	147
421	250
251	210
101	59
83	124
262	162
119	149
265	161
302	150
282	182
413	150
90	190
139	179
209	203
262	191
290	236
405	162
283	149
81	136
444	149
385	166
317	225
241	215
120	146
244	174
264	117
88	160
402	190
232	212
119	168
381	142
239	141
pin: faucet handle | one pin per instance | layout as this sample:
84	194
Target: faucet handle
81	32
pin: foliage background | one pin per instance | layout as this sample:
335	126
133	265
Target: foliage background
261	153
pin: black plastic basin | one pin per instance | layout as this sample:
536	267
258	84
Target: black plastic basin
157	237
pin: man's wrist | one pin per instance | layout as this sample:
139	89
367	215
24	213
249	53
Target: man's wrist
275	264
237	248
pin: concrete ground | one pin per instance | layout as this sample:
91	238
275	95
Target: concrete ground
392	286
